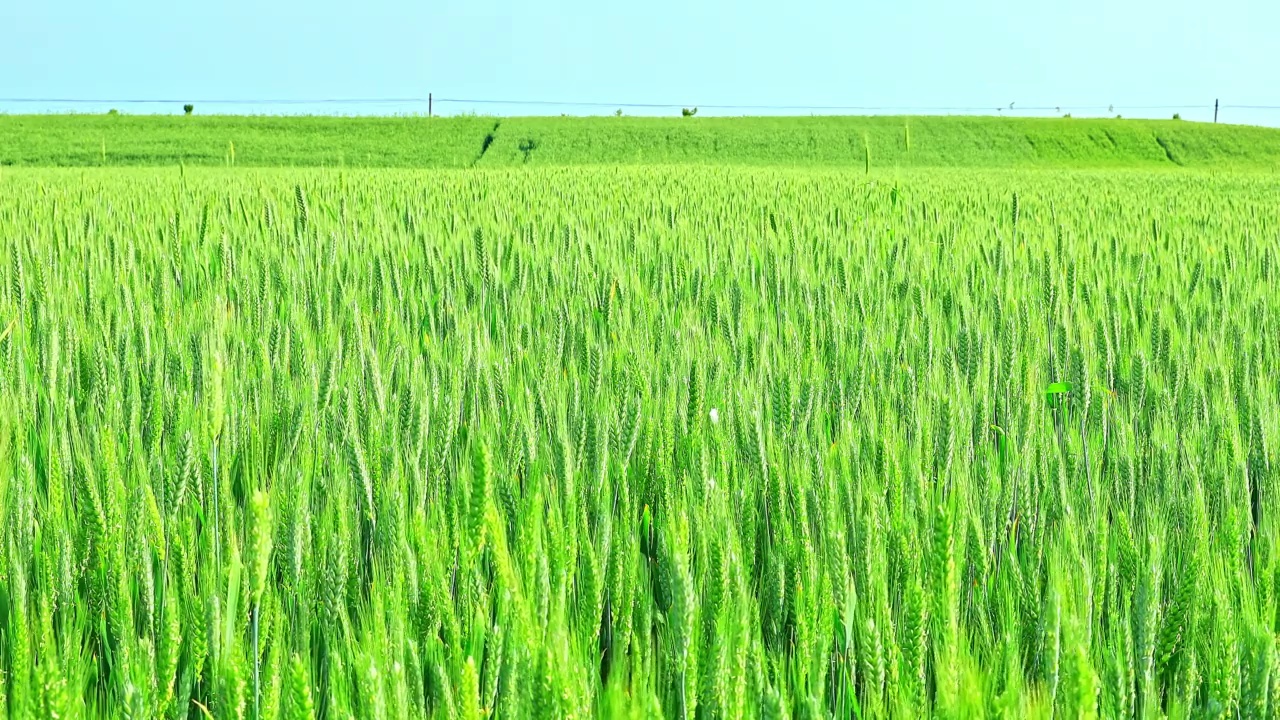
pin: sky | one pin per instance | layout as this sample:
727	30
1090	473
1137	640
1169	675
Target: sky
1135	58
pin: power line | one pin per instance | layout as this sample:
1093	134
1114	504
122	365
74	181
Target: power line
573	103
877	108
1012	108
219	101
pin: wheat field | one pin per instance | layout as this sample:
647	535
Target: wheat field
649	442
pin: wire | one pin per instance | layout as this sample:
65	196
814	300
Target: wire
572	103
878	108
347	101
575	103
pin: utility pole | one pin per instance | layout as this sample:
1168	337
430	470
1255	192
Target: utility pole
1215	110
1215	116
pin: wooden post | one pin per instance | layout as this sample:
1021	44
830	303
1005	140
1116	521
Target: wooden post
429	102
1215	110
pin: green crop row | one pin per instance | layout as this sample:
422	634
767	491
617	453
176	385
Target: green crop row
681	443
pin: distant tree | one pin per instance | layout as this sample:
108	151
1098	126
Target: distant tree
687	112
188	108
618	113
113	111
527	146
1177	116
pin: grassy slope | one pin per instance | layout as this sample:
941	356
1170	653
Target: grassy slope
80	140
934	142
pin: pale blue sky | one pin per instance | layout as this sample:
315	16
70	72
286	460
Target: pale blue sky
892	53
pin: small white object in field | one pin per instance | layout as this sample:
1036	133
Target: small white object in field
715	416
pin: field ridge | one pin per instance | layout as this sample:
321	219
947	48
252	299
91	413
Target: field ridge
421	142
